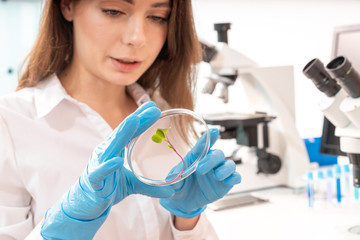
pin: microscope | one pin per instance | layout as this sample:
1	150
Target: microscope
224	62
248	129
269	131
340	83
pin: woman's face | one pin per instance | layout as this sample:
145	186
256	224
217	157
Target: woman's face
117	40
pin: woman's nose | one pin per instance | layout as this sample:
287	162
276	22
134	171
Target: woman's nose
134	34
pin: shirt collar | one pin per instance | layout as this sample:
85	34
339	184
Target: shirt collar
49	93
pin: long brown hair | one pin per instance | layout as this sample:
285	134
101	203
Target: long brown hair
172	73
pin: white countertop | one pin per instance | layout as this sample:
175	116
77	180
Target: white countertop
287	216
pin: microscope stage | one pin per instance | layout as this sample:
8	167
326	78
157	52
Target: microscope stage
231	120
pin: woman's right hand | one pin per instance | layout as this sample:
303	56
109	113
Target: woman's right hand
104	182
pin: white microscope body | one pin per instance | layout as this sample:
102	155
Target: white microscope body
269	90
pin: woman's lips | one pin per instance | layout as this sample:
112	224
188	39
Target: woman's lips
125	65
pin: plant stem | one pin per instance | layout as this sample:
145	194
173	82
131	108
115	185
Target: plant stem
168	141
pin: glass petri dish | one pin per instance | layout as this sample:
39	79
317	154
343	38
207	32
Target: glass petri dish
170	150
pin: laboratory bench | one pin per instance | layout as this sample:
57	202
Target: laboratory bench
286	215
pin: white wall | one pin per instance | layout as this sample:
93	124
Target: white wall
19	22
281	32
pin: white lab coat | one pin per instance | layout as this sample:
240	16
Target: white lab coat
46	138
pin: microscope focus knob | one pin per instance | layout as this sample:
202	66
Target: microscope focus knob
268	163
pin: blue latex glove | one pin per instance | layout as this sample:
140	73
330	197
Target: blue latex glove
212	179
104	182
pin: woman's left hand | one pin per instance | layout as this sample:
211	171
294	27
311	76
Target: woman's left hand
213	178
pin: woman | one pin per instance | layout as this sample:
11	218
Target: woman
91	74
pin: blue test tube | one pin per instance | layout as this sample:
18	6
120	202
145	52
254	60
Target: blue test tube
310	188
329	185
338	182
321	184
347	179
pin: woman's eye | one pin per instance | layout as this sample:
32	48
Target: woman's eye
159	19
112	12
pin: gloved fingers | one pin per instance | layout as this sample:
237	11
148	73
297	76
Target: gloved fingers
98	174
120	137
214	136
225	170
143	107
194	153
149	114
213	159
149	190
132	126
234	179
147	118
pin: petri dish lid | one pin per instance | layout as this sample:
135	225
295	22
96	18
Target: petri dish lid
181	140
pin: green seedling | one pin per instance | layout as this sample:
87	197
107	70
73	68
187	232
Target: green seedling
161	136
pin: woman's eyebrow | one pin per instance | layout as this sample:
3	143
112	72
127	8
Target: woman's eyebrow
160	4
154	5
129	1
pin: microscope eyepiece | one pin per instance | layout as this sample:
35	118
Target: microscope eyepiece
349	79
315	71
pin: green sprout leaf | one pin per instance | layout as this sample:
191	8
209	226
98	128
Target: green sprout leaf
160	135
170	147
156	138
161	132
